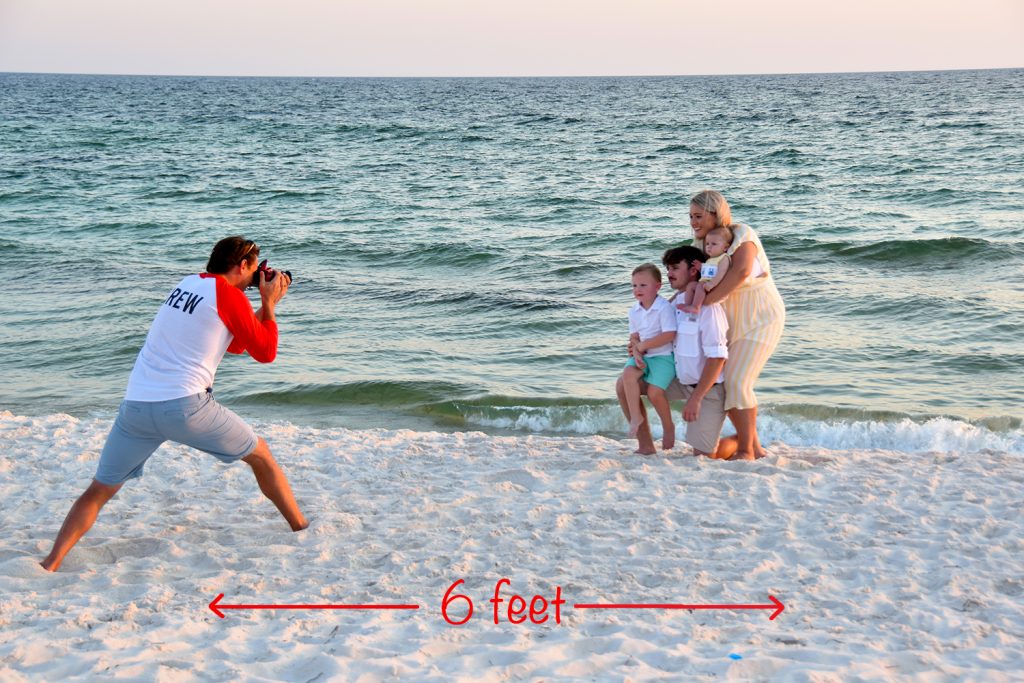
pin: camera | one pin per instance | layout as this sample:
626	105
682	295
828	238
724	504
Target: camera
270	273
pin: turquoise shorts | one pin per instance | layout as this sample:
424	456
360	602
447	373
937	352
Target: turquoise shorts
197	421
660	370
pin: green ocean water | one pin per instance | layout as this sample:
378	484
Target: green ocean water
462	247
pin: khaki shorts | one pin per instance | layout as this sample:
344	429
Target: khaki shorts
702	434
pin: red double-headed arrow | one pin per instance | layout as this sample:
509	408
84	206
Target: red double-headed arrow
776	605
216	606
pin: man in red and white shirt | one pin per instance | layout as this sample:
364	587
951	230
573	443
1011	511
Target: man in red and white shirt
170	391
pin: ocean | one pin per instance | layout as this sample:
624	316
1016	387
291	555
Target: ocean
462	248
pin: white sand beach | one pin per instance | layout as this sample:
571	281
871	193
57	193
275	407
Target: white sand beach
891	565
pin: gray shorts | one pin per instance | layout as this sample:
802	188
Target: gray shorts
702	434
197	421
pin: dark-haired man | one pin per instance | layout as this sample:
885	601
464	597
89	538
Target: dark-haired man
700	353
170	391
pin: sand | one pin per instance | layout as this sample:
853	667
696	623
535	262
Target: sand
891	565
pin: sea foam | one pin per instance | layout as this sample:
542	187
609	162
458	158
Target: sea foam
906	434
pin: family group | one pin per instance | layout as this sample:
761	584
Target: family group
707	344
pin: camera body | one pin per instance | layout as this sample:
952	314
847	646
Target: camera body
270	273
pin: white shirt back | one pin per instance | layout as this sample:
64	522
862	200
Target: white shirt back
184	346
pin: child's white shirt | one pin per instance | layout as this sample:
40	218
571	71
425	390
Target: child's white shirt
650	322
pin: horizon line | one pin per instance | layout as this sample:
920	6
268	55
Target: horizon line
508	77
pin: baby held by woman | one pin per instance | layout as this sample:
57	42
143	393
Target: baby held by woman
716	243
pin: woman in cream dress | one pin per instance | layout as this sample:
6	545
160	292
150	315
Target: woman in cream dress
753	308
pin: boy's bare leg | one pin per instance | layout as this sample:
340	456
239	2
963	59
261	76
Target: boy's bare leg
274	485
631	385
645	442
659	401
620	393
79	520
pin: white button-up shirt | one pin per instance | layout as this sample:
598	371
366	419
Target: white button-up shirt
699	337
650	322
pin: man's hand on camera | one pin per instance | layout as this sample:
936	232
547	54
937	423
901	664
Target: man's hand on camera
274	290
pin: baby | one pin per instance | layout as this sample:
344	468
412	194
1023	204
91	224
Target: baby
653	322
716	243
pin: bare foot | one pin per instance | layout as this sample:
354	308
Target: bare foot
668	440
634	426
644	442
761	453
742	455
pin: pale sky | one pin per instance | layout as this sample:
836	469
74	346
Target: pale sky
507	37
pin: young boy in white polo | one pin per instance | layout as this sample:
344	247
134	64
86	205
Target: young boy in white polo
652	324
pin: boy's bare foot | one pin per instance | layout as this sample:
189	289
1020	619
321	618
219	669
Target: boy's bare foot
668	441
634	426
645	451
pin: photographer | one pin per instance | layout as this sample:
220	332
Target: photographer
170	394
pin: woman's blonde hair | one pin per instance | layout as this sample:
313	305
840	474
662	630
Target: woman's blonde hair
714	203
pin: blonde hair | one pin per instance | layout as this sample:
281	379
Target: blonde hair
724	230
714	203
650	269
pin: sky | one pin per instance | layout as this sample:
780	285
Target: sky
507	37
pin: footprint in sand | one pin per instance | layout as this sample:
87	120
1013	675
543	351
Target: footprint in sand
517	477
111	552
